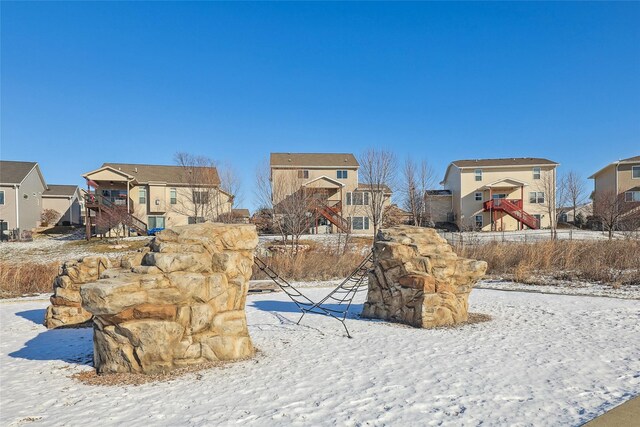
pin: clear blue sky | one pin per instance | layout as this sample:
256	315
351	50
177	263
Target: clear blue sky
84	83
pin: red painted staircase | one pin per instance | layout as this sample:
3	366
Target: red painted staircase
514	209
332	214
102	204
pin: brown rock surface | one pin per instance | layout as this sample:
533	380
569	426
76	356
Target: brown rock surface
418	280
183	305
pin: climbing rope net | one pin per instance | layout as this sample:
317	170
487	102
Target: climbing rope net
337	303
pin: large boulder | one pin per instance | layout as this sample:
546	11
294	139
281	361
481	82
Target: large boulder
418	280
180	304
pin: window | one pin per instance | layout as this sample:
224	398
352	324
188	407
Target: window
478	173
536	173
478	221
303	174
2	197
536	197
635	172
478	197
632	196
342	174
499	196
173	196
358	198
360	223
538	217
200	197
142	193
196	220
155	222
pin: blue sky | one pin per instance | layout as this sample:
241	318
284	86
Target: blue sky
84	83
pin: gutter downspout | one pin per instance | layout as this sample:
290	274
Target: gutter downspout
17	187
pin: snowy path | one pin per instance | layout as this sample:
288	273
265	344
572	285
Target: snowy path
543	360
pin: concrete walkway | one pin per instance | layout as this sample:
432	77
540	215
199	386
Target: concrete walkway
624	415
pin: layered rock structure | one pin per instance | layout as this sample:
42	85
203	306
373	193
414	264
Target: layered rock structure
180	304
418	280
65	308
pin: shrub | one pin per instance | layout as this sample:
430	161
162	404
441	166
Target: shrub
49	216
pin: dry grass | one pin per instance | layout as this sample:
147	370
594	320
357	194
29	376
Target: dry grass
316	263
26	279
614	262
99	246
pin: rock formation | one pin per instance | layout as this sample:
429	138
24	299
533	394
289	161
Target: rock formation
179	304
418	280
65	308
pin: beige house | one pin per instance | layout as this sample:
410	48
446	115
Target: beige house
501	194
21	189
148	197
334	198
621	178
64	199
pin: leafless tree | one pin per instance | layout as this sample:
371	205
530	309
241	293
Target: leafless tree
574	189
554	196
377	171
417	179
230	184
201	199
614	212
285	195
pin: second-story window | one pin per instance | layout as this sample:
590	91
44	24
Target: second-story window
342	174
142	195
478	173
635	172
478	197
536	197
303	174
536	173
173	196
200	197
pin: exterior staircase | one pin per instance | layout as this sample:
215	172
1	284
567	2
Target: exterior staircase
514	209
333	214
104	205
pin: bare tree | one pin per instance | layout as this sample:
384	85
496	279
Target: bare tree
614	212
554	196
574	189
288	200
230	184
202	198
377	172
417	179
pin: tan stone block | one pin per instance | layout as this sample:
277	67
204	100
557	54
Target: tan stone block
422	282
111	297
231	323
201	317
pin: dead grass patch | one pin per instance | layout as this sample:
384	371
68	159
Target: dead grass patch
615	262
108	246
26	278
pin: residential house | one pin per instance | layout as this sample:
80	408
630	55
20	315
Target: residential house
621	178
566	213
241	216
334	198
64	199
502	194
148	197
618	184
21	189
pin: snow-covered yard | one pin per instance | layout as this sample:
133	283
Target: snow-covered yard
542	360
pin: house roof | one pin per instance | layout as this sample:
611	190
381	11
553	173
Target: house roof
15	172
493	163
160	173
438	192
369	187
336	183
60	190
240	213
313	160
634	159
515	161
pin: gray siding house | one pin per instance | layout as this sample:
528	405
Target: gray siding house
21	189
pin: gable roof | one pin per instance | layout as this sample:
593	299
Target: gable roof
493	163
335	182
515	161
634	159
385	188
144	174
15	172
56	190
313	160
240	213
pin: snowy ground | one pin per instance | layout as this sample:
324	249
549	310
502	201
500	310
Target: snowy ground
564	287
542	360
528	236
